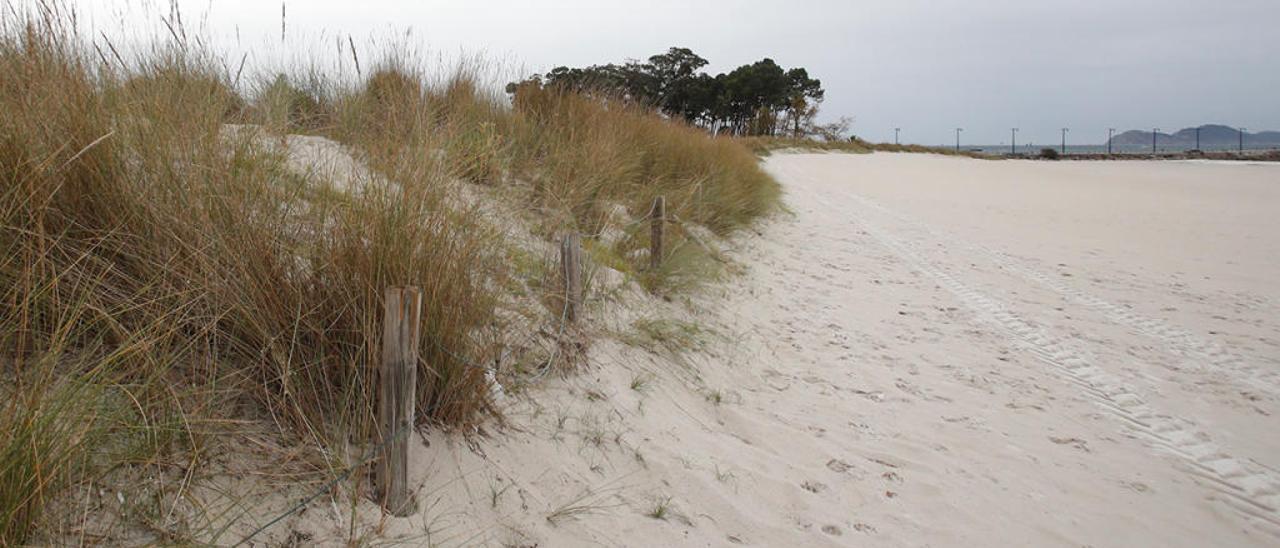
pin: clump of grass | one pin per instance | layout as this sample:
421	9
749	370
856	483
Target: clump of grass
72	417
640	382
475	123
661	508
765	145
178	82
583	156
685	268
667	335
388	110
586	502
716	397
285	107
46	432
724	476
635	155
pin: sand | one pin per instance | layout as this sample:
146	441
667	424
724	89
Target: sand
927	351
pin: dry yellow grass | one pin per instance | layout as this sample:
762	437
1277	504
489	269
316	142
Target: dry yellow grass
161	275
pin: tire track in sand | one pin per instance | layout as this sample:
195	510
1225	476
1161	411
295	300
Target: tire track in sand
1252	491
1207	355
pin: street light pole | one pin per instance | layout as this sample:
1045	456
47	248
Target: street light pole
1242	140
958	130
1064	141
1013	141
1197	138
1154	131
1110	131
895	134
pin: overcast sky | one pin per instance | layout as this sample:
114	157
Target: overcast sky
925	66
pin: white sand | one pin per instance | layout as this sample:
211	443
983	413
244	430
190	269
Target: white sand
930	352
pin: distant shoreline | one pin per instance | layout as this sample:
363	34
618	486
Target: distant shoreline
1272	155
1257	155
1003	148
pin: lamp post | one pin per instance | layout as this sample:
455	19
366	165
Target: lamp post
1013	141
1242	140
1197	138
958	130
1110	131
1064	141
895	134
1154	132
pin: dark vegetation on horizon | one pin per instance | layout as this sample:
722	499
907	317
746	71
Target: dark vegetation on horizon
764	146
761	98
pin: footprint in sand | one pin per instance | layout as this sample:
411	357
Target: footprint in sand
813	486
1136	486
1074	442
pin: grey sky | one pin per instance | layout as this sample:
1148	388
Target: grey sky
925	66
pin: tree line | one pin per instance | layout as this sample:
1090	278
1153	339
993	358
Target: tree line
761	98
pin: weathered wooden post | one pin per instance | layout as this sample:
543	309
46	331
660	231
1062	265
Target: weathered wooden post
402	310
571	270
657	217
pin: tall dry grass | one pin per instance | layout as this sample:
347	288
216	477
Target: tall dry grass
583	153
164	276
129	213
571	160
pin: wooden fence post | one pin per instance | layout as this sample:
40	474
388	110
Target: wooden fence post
657	218
571	270
402	310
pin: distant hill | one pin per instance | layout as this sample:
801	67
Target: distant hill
1211	135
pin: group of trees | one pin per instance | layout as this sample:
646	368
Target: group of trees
761	98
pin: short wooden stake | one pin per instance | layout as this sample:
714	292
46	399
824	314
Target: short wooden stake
402	310
571	270
657	218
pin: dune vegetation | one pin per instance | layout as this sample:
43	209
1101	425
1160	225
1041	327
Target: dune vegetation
169	281
765	145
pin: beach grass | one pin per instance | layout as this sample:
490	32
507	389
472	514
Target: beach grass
169	277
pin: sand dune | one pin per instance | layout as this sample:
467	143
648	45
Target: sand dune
929	351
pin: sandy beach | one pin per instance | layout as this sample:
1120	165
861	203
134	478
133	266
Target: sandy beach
927	351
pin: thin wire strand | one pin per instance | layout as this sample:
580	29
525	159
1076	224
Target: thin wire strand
329	486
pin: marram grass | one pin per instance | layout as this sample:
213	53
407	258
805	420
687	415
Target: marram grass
164	278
